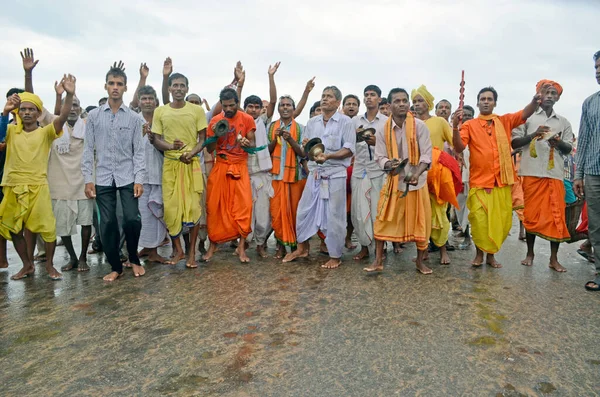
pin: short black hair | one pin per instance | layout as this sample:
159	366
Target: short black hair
374	88
488	89
147	90
187	98
90	108
314	107
178	76
14	91
289	98
253	99
596	56
227	94
384	101
396	91
467	107
350	96
443	100
116	72
103	99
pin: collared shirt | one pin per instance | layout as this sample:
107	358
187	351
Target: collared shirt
440	132
480	137
364	158
284	150
338	134
423	142
538	166
118	141
587	160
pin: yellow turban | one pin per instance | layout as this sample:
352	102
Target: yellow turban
422	91
31	98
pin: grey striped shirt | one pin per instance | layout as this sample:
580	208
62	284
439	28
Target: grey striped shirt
587	159
119	147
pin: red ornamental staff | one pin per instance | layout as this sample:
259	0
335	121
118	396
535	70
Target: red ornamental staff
461	97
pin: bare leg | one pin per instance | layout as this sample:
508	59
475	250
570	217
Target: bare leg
202	246
301	252
211	251
73	263
242	250
478	260
52	272
377	266
153	256
490	260
144	252
281	251
3	259
363	253
177	252
349	231
261	250
22	249
86	235
397	248
528	261
444	257
30	239
332	263
554	264
191	249
419	262
323	248
522	232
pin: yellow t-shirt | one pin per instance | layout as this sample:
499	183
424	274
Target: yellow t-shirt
182	124
27	155
439	132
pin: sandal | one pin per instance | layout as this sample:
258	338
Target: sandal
592	288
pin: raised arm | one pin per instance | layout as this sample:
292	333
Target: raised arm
272	90
12	102
457	142
532	106
59	89
68	83
29	63
144	70
167	70
302	102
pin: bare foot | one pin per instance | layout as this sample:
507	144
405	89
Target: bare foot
127	264
349	244
112	276
82	266
70	266
191	263
362	254
243	257
299	253
332	264
39	258
323	248
144	252
528	261
175	259
423	269
93	251
138	270
478	260
54	274
23	273
261	251
397	248
375	267
444	258
211	251
280	253
490	260
202	247
154	257
557	266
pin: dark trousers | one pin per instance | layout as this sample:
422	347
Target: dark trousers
106	200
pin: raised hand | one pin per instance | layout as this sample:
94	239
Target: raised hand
539	96
168	67
119	65
58	87
12	102
144	70
68	83
238	72
273	69
456	117
28	60
310	84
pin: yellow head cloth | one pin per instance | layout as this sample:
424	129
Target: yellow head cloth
422	91
31	98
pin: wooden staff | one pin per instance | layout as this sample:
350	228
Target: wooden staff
461	97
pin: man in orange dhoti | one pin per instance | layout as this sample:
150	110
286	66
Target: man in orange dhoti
402	219
229	198
285	145
545	138
491	171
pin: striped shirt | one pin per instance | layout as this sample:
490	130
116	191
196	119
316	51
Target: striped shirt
119	147
587	160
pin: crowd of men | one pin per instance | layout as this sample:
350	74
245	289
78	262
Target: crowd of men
146	175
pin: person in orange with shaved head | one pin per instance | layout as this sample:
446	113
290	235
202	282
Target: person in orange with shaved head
492	171
544	139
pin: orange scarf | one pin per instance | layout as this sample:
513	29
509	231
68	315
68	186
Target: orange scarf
290	168
386	208
507	173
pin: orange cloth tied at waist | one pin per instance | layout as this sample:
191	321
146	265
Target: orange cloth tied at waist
444	177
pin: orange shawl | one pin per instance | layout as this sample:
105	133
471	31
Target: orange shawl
507	174
290	169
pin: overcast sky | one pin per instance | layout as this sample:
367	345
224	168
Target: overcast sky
508	44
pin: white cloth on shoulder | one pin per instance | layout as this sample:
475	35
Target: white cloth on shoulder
63	143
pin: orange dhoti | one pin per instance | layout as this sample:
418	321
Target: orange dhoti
544	213
228	201
516	193
405	219
284	206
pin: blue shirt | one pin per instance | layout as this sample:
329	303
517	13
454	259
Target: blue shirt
587	160
119	147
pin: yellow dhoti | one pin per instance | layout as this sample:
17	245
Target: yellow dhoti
30	207
182	188
490	215
440	225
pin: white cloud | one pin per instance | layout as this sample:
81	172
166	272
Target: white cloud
510	45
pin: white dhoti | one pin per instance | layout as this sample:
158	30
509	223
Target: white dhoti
462	214
262	192
365	198
71	213
203	231
323	207
154	231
